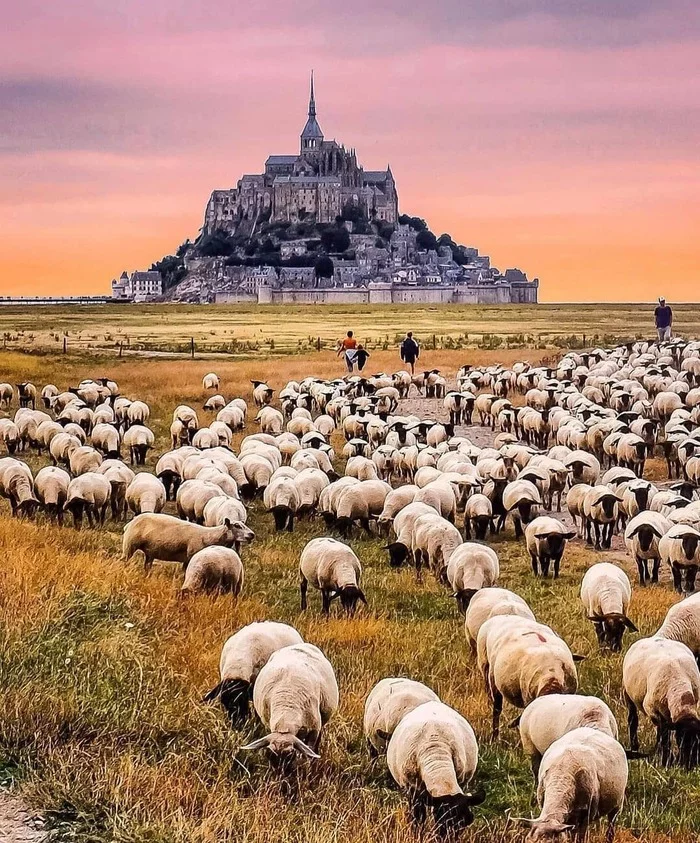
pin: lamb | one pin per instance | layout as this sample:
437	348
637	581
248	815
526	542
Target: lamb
522	660
169	539
139	440
242	658
145	493
606	593
489	603
549	718
642	537
295	695
281	497
386	705
546	539
583	776
89	495
214	569
51	489
601	512
433	755
680	548
471	567
333	568
661	677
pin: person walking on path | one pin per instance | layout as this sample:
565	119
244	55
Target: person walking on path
663	318
348	348
410	351
361	357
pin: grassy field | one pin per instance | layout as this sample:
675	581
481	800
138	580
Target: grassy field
245	329
102	670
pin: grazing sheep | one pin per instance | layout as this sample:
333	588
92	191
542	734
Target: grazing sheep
471	567
387	703
9	435
606	593
119	477
549	718
521	660
17	485
211	381
281	497
519	498
433	542
105	439
51	488
333	568
661	677
169	539
262	393
27	394
145	493
192	497
546	539
84	459
214	569
360	502
394	502
137	413
295	695
682	623
585	468
583	776
89	495
7	393
433	755
139	440
489	603
243	656
642	537
679	547
478	517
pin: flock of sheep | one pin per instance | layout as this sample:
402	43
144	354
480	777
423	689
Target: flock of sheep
582	436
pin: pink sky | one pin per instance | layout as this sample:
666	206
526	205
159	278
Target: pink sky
559	137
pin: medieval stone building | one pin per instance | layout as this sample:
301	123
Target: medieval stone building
319	182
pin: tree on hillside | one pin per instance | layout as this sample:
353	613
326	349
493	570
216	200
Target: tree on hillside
426	240
323	267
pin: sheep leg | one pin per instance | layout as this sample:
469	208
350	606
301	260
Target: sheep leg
632	724
535	567
497	709
557	563
303	588
642	570
596	530
290	522
518	527
690	575
675	570
655	570
467	528
417	808
610	831
599	634
663	743
326	603
418	562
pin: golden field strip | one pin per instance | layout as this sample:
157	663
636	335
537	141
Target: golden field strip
102	669
243	329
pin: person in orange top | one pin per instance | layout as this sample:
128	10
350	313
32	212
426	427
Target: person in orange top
348	346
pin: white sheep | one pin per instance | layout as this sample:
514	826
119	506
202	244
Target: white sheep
359	503
89	495
394	502
192	497
119	477
164	537
387	703
549	718
281	497
661	677
218	509
489	603
519	499
243	656
214	569
145	493
682	623
295	695
679	547
521	660
600	513
545	539
51	489
211	381
433	755
332	567
471	567
642	536
84	459
583	776
432	543
606	593
139	439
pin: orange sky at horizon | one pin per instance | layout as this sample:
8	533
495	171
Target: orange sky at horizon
562	141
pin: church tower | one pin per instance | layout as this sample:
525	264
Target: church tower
312	136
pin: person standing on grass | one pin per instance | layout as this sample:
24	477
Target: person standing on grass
663	318
361	357
348	347
410	351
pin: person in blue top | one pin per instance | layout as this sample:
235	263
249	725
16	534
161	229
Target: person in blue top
663	318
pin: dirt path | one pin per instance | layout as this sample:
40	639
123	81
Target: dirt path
18	824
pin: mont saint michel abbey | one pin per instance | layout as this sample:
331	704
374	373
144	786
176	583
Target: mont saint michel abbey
322	179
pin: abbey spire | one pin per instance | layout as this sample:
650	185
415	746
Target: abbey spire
312	136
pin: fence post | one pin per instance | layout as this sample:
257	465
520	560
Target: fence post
120	349
318	343
65	344
584	340
434	342
192	347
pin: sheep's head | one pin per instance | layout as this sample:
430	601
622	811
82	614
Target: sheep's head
284	747
237	533
398	553
544	829
556	542
612	628
646	534
453	813
690	545
350	596
608	502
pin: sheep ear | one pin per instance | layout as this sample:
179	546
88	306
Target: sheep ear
630	625
570	535
578	658
261	743
214	694
385	736
362	597
304	749
477	797
515	723
227	523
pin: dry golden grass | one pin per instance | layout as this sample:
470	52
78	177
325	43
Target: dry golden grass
103	669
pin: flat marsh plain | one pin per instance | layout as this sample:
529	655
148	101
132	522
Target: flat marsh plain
102	670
